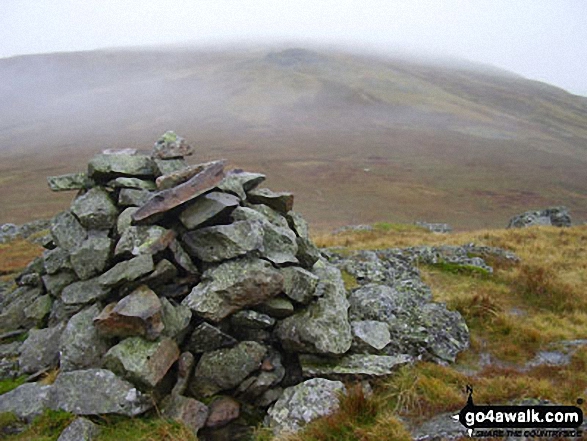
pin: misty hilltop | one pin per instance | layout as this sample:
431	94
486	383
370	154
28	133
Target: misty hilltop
358	138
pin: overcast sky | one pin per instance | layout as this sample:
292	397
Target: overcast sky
539	39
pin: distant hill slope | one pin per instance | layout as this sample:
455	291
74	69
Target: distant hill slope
359	139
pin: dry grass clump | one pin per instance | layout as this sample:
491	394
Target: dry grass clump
16	255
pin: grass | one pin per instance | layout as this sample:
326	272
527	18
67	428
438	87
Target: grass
14	256
9	384
512	314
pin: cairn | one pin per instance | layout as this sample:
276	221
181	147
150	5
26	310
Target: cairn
194	290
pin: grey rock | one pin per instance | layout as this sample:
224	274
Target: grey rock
137	314
555	216
222	242
223	410
165	271
67	232
80	345
166	166
182	258
9	232
378	302
27	401
278	307
12	314
185	366
251	319
176	319
187	411
272	372
55	283
308	254
133	197
238	182
85	291
108	167
55	260
303	403
39	310
91	257
225	369
140	184
356	365
40	350
95	210
70	181
137	240
370	335
61	313
435	227
299	284
298	224
142	362
207	338
279	201
171	146
97	392
269	214
81	429
206	208
440	427
323	327
127	271
233	285
269	397
125	219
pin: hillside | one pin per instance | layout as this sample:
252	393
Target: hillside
359	139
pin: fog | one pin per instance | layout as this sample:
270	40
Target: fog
539	39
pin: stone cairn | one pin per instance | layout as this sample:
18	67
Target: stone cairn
193	291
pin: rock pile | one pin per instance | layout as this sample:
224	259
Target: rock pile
555	216
194	290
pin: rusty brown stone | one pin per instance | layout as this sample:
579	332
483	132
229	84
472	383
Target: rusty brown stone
165	200
179	176
222	411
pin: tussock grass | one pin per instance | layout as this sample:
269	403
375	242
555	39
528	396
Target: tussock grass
16	255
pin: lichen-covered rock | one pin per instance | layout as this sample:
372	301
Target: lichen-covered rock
70	181
182	258
187	411
278	307
279	201
95	210
136	183
143	240
55	283
207	338
106	167
299	284
357	365
37	312
85	291
224	369
166	166
142	362
323	327
223	242
127	271
233	285
12	314
185	366
81	429
137	314
176	320
171	146
80	345
308	254
556	216
303	403
378	302
67	232
238	182
298	224
40	350
55	260
91	257
97	392
248	318
207	208
370	336
133	197
125	219
27	401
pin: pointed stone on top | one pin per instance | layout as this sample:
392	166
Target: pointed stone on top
165	200
171	146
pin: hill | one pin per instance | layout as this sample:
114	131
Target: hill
360	139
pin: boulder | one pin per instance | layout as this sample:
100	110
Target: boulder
247	318
233	285
95	210
303	403
27	401
207	208
278	307
187	411
370	336
142	362
125	219
81	429
97	392
166	166
55	283
40	350
555	216
176	320
225	369
238	182
39	310
178	176
279	201
133	197
67	232
299	284
85	291
127	271
171	146
298	224
223	242
223	410
12	313
143	240
91	257
185	366
55	260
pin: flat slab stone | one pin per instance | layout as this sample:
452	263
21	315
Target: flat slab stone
143	362
137	314
137	183
127	271
108	166
85	291
97	392
133	197
360	365
279	201
55	283
233	285
223	242
206	208
178	176
70	181
166	200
